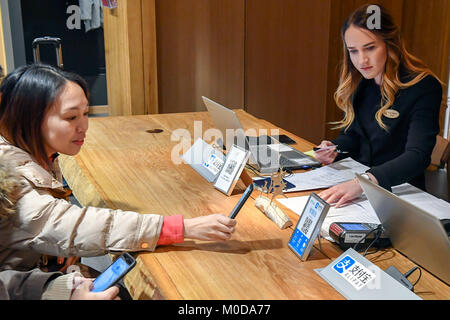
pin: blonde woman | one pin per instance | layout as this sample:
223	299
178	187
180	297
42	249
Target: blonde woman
391	104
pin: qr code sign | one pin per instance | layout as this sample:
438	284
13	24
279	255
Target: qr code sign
306	225
214	164
231	166
218	163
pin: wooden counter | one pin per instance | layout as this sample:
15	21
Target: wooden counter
123	166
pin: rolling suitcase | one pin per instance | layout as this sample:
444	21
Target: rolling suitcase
55	42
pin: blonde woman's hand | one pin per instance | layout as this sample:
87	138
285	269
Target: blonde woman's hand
342	194
212	227
326	156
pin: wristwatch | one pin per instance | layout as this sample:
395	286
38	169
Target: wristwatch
365	176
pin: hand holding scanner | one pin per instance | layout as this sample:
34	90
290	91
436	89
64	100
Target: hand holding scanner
241	201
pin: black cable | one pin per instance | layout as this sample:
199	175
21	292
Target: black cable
364	238
379	228
254	170
288	171
407	274
420	275
380	231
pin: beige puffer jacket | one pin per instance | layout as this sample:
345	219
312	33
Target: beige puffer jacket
33	222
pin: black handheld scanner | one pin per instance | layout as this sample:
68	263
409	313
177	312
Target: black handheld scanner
241	201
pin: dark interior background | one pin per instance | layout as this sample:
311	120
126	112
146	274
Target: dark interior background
83	52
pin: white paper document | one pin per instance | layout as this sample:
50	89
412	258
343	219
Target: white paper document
327	176
361	211
279	147
423	200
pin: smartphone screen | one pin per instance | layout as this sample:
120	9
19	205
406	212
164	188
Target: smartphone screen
111	275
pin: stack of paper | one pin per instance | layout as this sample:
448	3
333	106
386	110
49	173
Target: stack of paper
327	176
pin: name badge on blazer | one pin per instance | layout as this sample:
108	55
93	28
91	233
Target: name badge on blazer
391	114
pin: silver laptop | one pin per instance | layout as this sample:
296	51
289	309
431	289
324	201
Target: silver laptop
414	232
266	153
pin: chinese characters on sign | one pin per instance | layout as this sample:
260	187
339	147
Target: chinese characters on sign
354	272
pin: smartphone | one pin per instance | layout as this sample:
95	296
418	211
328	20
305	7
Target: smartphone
284	139
241	201
114	273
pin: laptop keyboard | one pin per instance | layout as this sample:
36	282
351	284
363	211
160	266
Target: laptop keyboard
287	163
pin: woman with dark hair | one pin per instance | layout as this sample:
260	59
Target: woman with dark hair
43	112
391	103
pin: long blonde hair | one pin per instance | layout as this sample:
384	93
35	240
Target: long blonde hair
397	56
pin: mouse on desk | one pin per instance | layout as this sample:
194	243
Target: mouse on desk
446	224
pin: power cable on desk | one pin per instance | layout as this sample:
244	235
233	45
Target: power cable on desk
402	278
407	274
377	236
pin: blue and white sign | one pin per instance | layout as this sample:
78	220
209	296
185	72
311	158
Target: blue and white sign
214	164
357	278
308	225
354	272
344	264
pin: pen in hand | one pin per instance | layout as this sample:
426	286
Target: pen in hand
324	148
328	148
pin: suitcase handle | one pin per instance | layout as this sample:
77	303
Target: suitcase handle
56	42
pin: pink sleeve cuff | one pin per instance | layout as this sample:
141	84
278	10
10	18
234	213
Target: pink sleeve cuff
172	230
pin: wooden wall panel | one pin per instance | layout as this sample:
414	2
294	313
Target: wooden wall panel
286	64
278	60
149	51
200	52
426	29
124	58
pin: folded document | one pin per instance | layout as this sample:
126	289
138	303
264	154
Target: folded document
326	176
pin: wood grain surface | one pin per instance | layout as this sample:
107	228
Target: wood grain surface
123	166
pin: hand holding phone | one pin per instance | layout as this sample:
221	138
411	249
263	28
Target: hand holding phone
83	291
114	273
241	201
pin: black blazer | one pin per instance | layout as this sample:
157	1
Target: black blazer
402	153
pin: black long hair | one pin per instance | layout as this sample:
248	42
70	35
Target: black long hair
26	95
